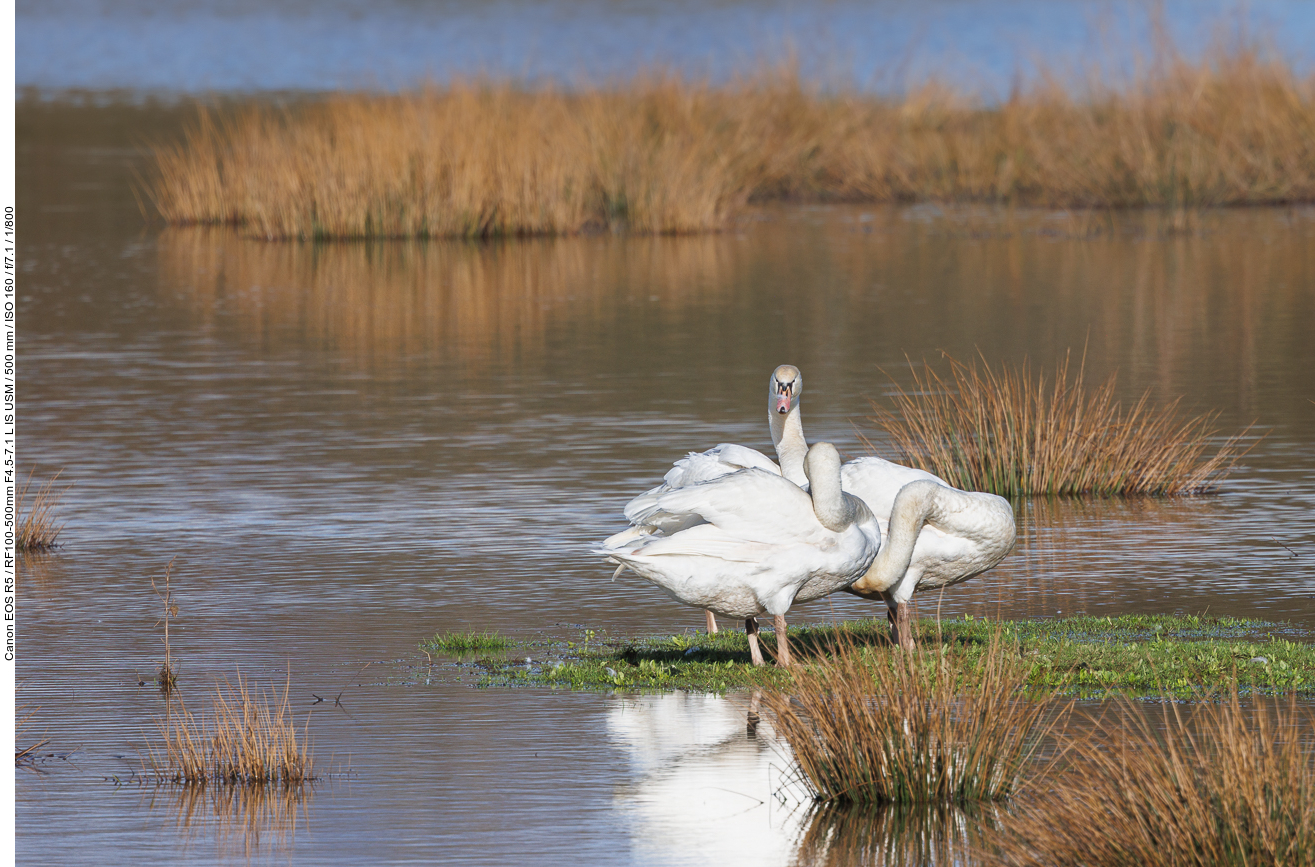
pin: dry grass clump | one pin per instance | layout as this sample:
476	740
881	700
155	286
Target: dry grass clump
1221	786
876	726
666	155
250	738
1008	433
35	521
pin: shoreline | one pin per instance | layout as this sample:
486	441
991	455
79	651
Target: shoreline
1178	656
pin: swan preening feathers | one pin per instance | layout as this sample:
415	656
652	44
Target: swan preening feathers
760	543
723	505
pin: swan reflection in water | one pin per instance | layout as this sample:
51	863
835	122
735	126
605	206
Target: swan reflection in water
710	783
706	781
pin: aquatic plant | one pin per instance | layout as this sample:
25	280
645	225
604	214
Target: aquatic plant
465	642
166	676
1220	785
249	737
25	756
1006	431
35	527
663	154
869	725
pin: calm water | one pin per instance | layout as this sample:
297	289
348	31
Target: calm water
344	449
185	46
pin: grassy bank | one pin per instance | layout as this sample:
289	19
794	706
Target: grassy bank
665	154
1078	656
1220	783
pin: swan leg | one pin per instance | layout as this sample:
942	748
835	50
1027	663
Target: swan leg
893	619
902	629
751	629
782	642
712	622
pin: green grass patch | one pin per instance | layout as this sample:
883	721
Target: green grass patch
1082	656
465	642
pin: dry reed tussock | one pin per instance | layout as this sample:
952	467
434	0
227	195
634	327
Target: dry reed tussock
878	726
667	155
36	527
1011	434
249	738
1220	786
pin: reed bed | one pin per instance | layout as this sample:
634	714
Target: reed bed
1010	433
1221	786
249	738
37	528
876	726
663	154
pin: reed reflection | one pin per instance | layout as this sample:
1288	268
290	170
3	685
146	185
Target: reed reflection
390	302
243	818
896	834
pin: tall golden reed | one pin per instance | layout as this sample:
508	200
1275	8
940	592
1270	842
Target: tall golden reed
250	738
1220	786
885	726
661	154
1009	433
36	529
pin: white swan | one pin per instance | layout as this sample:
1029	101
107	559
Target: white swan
783	390
956	534
763	544
936	536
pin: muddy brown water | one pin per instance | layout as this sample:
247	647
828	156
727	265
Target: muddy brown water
347	448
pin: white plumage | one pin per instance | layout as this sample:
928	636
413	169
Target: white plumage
945	535
759	543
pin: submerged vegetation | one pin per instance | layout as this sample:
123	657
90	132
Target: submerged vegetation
1010	433
665	154
35	527
947	727
249	737
1082	656
1221	784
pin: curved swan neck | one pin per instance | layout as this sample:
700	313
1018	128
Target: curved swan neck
822	470
914	505
791	447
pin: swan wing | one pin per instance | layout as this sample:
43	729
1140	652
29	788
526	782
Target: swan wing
751	504
693	469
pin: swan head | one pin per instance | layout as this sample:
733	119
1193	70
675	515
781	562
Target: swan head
785	388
